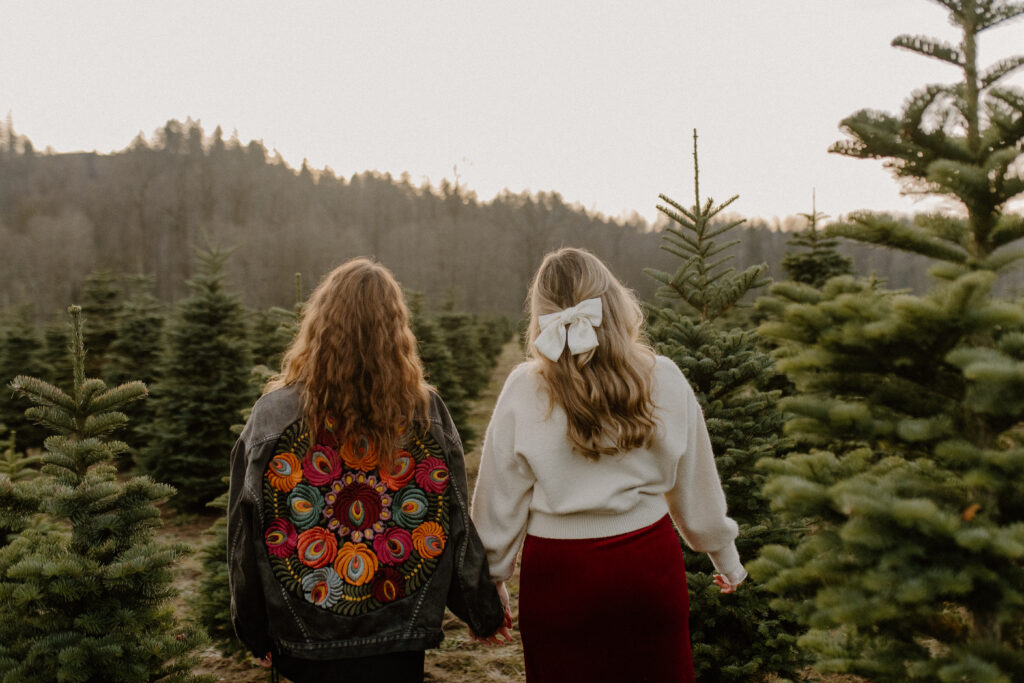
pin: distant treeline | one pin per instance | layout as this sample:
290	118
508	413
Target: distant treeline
145	209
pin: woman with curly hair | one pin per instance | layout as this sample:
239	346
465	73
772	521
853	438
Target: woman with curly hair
348	521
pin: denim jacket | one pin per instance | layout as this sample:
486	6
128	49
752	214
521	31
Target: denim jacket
342	560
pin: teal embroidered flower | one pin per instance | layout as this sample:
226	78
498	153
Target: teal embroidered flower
410	507
305	503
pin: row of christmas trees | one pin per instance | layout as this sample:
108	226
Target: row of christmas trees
871	442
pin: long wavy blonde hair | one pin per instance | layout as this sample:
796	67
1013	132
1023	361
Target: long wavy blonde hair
605	392
355	358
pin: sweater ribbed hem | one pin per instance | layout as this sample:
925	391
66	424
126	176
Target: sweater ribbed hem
590	525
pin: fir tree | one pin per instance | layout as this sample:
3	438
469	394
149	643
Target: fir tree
461	335
204	383
134	353
820	261
913	565
89	603
213	601
54	356
735	637
440	365
16	502
19	354
101	306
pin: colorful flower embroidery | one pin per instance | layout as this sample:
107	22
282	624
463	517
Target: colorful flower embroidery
316	547
432	475
357	506
402	471
281	538
389	585
428	539
355	563
410	507
359	454
344	536
323	587
393	546
305	504
321	465
284	472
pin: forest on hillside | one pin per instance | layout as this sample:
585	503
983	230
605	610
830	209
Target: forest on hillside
145	209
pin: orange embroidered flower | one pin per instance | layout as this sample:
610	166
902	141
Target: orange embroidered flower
316	547
284	471
355	563
359	454
402	471
428	539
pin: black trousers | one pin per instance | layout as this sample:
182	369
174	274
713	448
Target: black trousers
395	667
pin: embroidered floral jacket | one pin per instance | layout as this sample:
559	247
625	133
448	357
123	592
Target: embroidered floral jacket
330	557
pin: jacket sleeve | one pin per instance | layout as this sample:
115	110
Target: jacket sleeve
504	490
248	604
696	501
472	596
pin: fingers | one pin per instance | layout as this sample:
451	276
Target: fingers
724	585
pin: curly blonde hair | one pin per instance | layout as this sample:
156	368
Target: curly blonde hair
355	360
605	392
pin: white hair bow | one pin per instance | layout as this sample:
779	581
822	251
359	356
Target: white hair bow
581	319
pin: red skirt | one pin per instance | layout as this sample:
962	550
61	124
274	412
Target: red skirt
606	609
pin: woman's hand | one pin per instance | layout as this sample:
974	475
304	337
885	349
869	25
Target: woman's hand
267	661
503	636
724	584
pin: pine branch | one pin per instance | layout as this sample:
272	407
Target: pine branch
1009	227
993	16
929	47
1001	69
1001	258
882	230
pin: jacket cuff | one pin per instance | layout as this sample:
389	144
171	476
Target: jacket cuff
727	563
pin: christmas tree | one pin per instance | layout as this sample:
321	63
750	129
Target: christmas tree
101	306
89	602
134	353
19	354
735	638
913	564
203	384
819	261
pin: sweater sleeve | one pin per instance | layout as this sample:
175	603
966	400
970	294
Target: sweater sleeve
696	501
504	488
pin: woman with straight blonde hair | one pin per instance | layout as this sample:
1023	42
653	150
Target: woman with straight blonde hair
348	527
596	446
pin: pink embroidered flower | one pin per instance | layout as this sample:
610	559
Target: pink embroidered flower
281	538
432	475
321	465
393	546
388	585
401	472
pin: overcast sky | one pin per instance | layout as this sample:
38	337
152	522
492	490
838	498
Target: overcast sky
594	99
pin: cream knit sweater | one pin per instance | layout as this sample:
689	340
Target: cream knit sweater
531	482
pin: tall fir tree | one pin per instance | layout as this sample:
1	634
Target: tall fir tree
440	365
735	637
101	306
913	564
90	602
203	384
134	354
19	354
818	259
